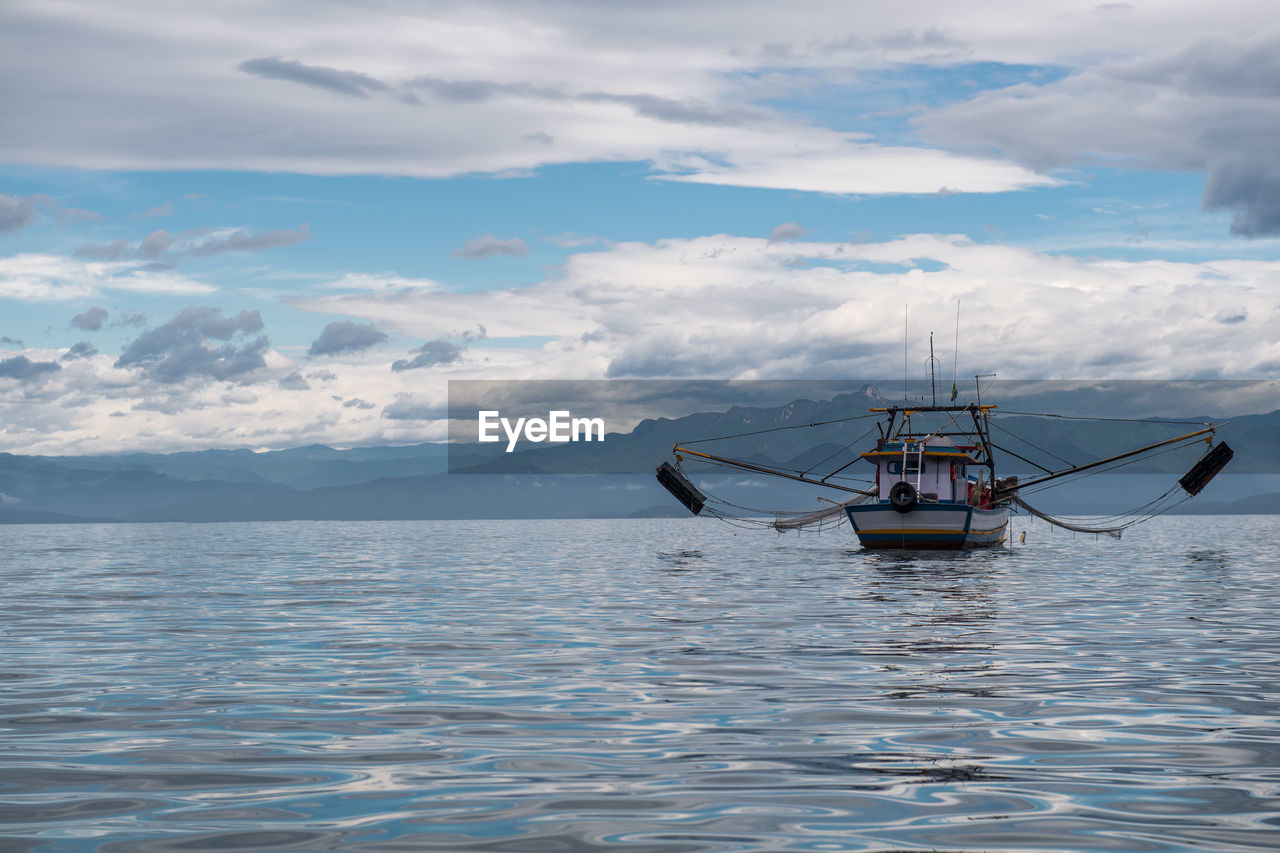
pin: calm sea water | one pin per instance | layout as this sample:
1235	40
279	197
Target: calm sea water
636	686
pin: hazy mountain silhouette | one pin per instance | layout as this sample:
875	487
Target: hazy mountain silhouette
612	479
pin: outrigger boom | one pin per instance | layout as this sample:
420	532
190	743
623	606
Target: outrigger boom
1078	468
735	463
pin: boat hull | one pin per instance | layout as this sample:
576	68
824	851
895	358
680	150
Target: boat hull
943	526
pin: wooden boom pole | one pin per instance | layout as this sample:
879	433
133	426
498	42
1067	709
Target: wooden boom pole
771	472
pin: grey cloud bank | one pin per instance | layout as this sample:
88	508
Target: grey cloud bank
345	336
429	355
180	349
91	320
1210	107
22	368
332	79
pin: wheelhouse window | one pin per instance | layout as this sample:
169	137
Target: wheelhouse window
913	466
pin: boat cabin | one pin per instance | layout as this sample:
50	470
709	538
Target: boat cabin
936	468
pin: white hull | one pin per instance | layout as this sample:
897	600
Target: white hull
928	526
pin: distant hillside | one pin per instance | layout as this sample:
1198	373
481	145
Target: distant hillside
778	436
613	479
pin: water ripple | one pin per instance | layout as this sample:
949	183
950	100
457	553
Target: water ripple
640	685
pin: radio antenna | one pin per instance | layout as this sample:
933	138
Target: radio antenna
906	365
956	359
933	373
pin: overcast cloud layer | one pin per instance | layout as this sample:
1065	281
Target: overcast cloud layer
503	87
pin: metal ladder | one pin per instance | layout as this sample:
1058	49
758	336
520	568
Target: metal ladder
906	445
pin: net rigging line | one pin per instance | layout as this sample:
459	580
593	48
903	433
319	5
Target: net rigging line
1094	418
1114	465
1032	444
779	468
808	470
779	428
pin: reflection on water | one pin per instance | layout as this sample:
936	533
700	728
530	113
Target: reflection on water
637	685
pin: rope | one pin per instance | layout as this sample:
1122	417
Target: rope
1032	444
776	429
1120	464
1086	418
838	452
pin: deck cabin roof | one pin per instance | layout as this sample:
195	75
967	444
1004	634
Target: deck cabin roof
893	450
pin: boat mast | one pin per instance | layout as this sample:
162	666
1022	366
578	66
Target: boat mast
933	373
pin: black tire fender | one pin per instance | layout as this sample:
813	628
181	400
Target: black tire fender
903	496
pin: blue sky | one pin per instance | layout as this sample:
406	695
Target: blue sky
267	225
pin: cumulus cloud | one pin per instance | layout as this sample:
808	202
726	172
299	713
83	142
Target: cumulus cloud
489	245
1250	187
182	348
786	231
718	306
414	407
736	307
155	244
24	369
91	320
345	336
84	349
295	382
430	354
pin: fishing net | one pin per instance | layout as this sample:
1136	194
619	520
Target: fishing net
831	516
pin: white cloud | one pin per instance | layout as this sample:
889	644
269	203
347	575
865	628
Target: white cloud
54	278
719	306
411	90
735	307
380	281
832	164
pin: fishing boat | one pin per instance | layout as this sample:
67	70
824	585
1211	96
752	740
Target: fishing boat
934	483
925	495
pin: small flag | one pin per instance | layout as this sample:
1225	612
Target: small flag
954	392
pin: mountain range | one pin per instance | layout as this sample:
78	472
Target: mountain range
609	479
